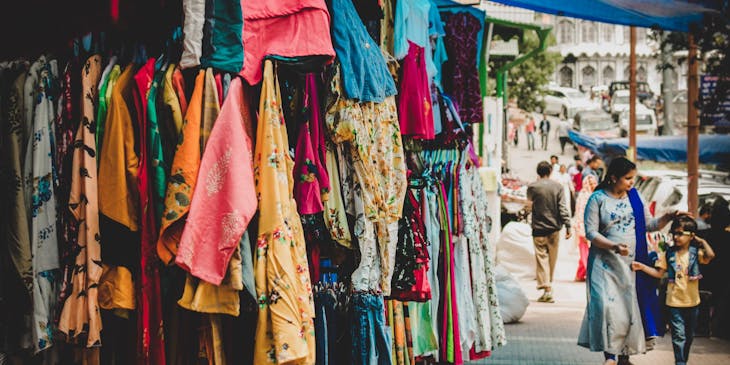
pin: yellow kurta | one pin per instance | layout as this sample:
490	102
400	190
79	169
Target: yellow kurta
285	331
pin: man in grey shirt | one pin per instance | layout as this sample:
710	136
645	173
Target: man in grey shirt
549	216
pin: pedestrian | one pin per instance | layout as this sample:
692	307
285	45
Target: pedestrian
682	262
544	132
704	218
549	215
530	132
616	223
578	178
588	185
562	178
718	271
562	133
555	163
592	167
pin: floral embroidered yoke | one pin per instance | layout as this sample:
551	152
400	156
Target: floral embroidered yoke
285	331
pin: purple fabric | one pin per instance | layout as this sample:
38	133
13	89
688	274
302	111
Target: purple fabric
461	75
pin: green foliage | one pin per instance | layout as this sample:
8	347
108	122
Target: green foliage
713	41
528	81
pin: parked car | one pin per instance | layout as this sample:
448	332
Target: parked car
643	91
596	123
666	190
680	110
646	121
619	103
566	101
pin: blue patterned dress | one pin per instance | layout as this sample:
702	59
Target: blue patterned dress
612	321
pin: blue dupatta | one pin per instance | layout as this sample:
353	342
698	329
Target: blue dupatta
646	286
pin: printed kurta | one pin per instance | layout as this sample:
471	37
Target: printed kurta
371	135
490	331
285	328
40	183
222	207
183	176
80	314
612	321
150	343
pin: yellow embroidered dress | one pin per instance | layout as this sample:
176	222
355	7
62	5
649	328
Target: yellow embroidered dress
285	331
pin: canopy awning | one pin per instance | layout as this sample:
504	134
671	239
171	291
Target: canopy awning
714	149
666	14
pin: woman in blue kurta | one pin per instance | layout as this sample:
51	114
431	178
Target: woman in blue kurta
616	222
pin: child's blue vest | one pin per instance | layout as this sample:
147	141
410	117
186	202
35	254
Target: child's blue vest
694	264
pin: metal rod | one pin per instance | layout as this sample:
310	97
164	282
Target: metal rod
693	127
632	96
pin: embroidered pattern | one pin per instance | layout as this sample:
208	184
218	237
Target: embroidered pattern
232	224
214	180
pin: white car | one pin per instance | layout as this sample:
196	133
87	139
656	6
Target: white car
619	102
646	121
566	102
666	190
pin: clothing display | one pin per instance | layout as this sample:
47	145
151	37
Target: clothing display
268	185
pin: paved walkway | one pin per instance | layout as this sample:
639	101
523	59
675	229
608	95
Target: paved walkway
547	333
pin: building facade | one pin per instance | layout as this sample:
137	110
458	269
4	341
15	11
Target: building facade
598	53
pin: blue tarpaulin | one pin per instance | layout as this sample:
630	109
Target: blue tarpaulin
714	149
666	14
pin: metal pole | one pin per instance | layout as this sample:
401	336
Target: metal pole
502	93
668	87
693	127
632	97
484	78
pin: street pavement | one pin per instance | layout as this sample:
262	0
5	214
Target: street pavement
547	333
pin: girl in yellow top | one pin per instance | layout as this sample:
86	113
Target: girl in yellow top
681	261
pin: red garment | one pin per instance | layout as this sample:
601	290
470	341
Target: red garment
219	88
580	274
415	110
178	82
150	343
421	289
530	127
288	28
311	181
578	181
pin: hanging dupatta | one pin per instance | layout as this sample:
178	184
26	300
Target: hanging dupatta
645	285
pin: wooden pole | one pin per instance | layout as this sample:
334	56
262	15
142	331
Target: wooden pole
693	128
632	96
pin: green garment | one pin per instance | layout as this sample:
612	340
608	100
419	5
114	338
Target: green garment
105	94
157	163
223	48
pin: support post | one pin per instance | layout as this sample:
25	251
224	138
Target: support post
693	126
667	86
632	97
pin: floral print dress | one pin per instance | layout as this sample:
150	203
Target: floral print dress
40	182
370	135
285	328
473	200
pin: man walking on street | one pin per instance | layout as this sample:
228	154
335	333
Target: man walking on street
549	215
544	132
563	136
530	132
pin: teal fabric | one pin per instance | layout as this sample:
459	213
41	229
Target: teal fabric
157	164
222	32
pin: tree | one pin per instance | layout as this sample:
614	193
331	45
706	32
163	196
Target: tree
528	81
713	41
